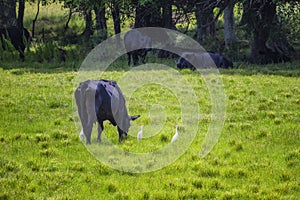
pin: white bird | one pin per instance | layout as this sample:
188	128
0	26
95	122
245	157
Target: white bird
140	134
174	138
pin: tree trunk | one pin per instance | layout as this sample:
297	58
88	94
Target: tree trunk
167	15
116	17
9	27
150	15
205	20
88	31
258	48
34	20
8	17
21	14
261	31
199	24
115	11
101	25
68	20
139	17
229	32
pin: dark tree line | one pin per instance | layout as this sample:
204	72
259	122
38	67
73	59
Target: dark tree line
259	19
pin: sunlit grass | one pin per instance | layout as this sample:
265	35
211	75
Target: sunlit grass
257	156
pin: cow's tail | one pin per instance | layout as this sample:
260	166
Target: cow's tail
80	106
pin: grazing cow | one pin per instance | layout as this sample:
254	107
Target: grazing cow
136	44
203	60
17	37
220	61
100	100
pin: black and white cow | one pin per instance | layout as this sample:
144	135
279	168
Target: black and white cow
100	100
137	44
202	60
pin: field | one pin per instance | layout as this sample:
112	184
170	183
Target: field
257	156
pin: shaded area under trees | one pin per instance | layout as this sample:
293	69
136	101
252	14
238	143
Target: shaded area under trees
260	20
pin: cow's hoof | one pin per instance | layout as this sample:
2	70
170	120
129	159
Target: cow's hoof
88	142
81	136
123	137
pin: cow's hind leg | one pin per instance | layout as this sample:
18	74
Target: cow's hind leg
88	132
100	129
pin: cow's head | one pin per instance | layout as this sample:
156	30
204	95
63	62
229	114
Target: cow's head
123	132
183	63
226	63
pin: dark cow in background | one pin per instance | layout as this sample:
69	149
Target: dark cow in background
100	100
137	44
18	37
203	60
220	61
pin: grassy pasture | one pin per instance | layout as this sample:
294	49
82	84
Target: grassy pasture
41	157
257	156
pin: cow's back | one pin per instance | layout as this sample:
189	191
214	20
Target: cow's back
103	104
132	40
110	104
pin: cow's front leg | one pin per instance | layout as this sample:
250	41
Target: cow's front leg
135	57
100	129
121	134
129	58
144	53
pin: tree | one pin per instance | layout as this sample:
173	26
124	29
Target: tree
261	18
21	14
8	17
229	32
167	21
115	12
101	25
87	12
35	18
70	5
205	19
148	14
10	28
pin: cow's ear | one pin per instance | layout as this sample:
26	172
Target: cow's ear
134	117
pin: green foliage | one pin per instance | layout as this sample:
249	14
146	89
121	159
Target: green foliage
289	20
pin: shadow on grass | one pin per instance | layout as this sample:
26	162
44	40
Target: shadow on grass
291	69
19	68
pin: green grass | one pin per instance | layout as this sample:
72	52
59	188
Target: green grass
257	156
41	157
